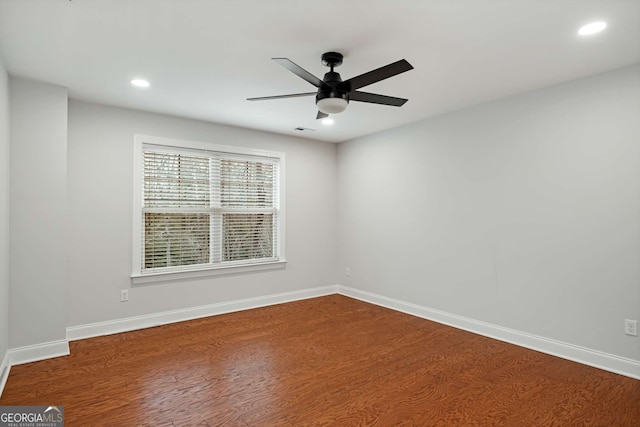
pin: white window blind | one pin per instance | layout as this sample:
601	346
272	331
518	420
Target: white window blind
247	206
203	209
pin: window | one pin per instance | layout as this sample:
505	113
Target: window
202	207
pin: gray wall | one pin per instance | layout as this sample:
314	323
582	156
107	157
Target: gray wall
100	176
524	213
38	209
4	211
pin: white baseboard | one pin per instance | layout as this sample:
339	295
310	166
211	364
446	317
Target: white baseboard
586	356
5	367
34	353
166	317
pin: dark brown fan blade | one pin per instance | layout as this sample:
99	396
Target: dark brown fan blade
374	98
298	71
321	115
376	75
293	95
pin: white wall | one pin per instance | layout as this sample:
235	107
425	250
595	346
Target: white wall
523	213
4	213
38	209
100	173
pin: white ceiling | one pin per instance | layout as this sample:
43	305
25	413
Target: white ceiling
204	58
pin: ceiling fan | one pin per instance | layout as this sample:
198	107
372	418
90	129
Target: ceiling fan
333	94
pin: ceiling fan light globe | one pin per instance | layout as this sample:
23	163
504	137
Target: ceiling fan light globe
332	105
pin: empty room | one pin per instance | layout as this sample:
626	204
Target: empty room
339	213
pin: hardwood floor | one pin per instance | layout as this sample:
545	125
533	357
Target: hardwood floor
330	361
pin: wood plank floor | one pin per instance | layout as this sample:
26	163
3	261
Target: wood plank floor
330	361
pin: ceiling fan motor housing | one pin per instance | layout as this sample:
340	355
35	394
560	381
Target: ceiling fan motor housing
331	98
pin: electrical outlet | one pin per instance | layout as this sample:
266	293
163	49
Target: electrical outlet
124	295
348	271
631	327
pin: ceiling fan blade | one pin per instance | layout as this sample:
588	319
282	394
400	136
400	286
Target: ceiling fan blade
374	98
376	75
299	71
293	95
321	115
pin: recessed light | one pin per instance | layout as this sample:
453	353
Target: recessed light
140	83
327	121
592	28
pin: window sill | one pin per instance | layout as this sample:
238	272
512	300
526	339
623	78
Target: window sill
165	276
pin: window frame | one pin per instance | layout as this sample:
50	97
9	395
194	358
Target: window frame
138	276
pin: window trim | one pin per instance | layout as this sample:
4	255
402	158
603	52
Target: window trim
140	277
